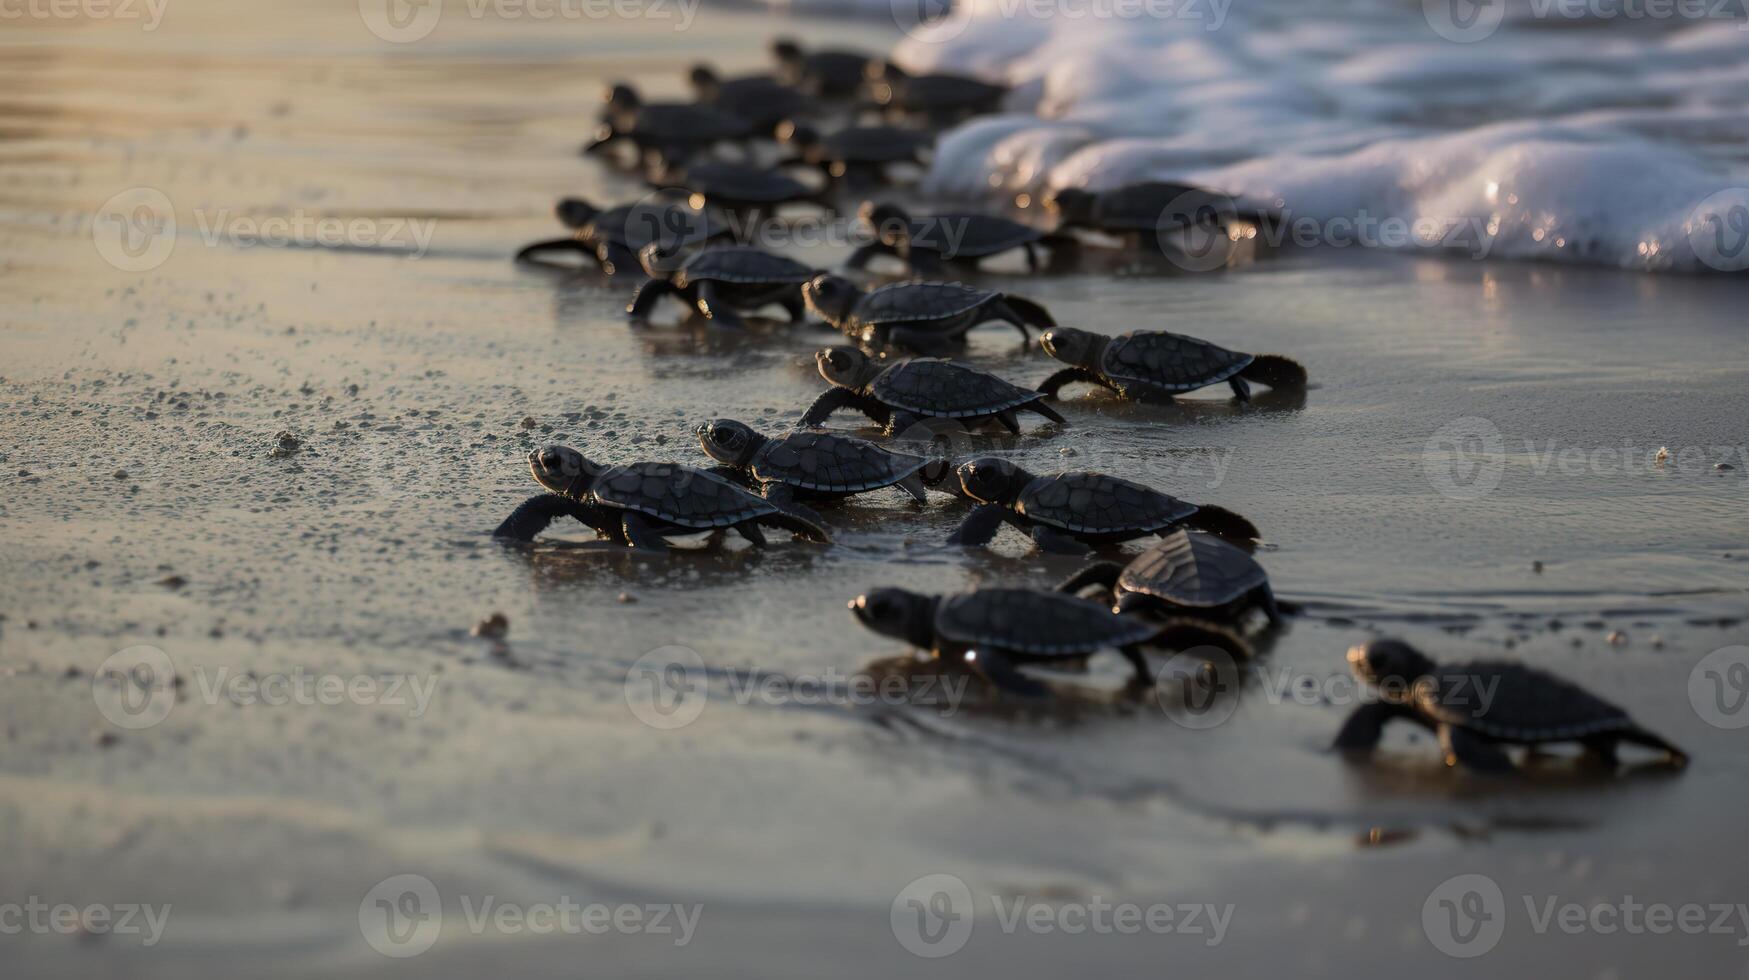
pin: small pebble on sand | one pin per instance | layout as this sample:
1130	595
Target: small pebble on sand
528	422
285	444
1537	567
627	598
1617	638
173	581
493	627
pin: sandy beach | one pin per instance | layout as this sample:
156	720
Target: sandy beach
268	448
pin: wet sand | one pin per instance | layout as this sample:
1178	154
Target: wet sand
142	503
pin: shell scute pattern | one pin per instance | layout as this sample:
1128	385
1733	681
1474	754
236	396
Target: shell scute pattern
1032	622
637	225
1193	570
942	388
826	461
679	494
1099	504
1170	361
969	235
1514	702
741	263
911	302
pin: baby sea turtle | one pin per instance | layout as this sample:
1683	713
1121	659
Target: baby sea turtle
613	238
1476	708
813	465
1155	365
826	73
1188	573
745	190
926	317
942	99
665	132
860	155
1066	512
1144	210
900	395
639	503
929	243
760	99
720	282
993	631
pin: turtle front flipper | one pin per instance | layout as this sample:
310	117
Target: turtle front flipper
913	486
996	667
784	499
644	300
1472	750
1028	312
533	516
1360	734
1057	542
641	534
716	308
796	524
616	259
1241	390
1223	523
1103	574
833	399
1067	376
979	526
859	259
535	250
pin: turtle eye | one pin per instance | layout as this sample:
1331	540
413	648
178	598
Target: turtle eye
549	459
721	434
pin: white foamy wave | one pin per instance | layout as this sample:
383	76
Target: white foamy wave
1599	138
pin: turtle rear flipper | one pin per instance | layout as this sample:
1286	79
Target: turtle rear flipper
1360	734
795	524
996	667
1275	371
1646	739
1223	523
533	251
1103	574
1029	312
1473	751
1042	409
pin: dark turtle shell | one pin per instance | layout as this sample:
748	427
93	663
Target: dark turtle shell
763	102
1094	503
946	389
665	122
832	463
678	494
1143	206
871	144
1037	623
1169	361
739	182
838	71
930	93
911	302
1514	703
741	263
969	236
1192	569
672	224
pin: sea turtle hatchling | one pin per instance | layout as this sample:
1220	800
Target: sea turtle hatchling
859	155
1067	512
1477	708
1153	365
1143	211
665	132
613	238
922	317
638	504
826	73
996	630
720	282
815	465
903	394
760	99
941	99
744	190
1187	573
930	243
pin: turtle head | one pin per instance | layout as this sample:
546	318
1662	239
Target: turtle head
1072	205
1080	348
729	442
705	81
787	51
992	481
574	212
889	222
562	470
1389	665
898	613
621	97
831	297
881	70
659	261
797	134
846	367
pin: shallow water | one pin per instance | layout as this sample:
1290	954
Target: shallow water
142	504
